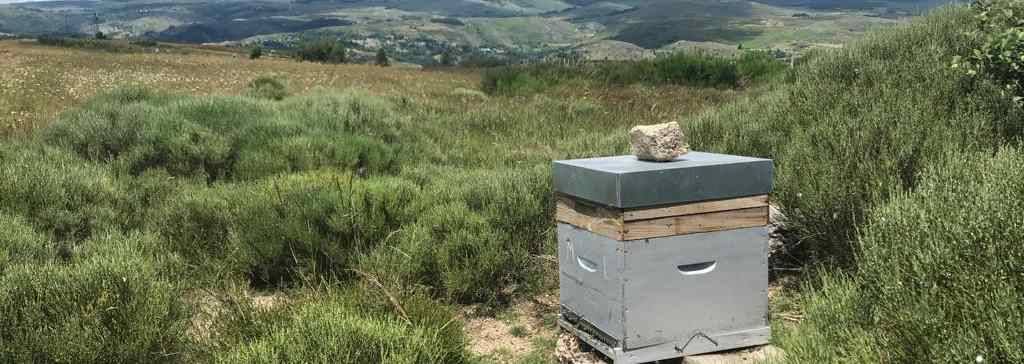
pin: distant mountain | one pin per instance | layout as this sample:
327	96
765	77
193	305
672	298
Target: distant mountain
420	29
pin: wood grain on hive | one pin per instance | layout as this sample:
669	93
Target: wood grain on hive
679	219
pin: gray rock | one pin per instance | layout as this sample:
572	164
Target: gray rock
659	143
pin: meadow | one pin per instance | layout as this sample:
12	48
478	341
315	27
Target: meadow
205	207
209	208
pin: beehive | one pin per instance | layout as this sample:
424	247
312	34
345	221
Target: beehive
662	260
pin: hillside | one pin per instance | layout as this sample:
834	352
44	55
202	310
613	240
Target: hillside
418	30
199	206
898	174
233	221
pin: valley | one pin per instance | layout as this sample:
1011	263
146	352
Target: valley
512	31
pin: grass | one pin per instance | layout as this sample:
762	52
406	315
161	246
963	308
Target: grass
31	99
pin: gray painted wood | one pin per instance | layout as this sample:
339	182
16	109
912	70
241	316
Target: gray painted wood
655	292
626	182
590	279
680	286
673	350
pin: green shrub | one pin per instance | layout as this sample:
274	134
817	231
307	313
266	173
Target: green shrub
305	153
239	319
142	42
946	259
57	194
448	58
510	80
696	69
231	138
279	230
197	224
268	87
348	327
832	329
856	124
142	194
456	251
100	43
323	51
209	175
688	69
381	59
20	244
758	66
111	305
256	52
516	201
474	235
940	273
1001	27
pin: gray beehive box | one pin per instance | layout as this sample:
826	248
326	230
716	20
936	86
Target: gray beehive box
662	260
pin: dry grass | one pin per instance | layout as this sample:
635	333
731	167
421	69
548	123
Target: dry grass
496	338
39	82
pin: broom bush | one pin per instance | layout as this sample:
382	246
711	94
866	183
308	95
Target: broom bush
941	274
111	303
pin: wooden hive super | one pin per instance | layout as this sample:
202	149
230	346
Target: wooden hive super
661	260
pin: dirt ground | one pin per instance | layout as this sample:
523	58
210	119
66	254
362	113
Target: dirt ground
516	332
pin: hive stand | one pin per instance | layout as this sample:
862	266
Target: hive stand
663	260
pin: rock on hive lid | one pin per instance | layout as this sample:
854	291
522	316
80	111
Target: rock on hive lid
626	182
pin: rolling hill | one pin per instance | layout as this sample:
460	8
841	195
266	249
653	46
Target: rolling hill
419	30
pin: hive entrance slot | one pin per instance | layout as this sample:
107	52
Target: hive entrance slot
587	264
697	269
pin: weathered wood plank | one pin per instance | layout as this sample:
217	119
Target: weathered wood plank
696	208
687	219
698	223
596	219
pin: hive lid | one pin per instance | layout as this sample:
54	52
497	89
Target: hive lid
626	182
